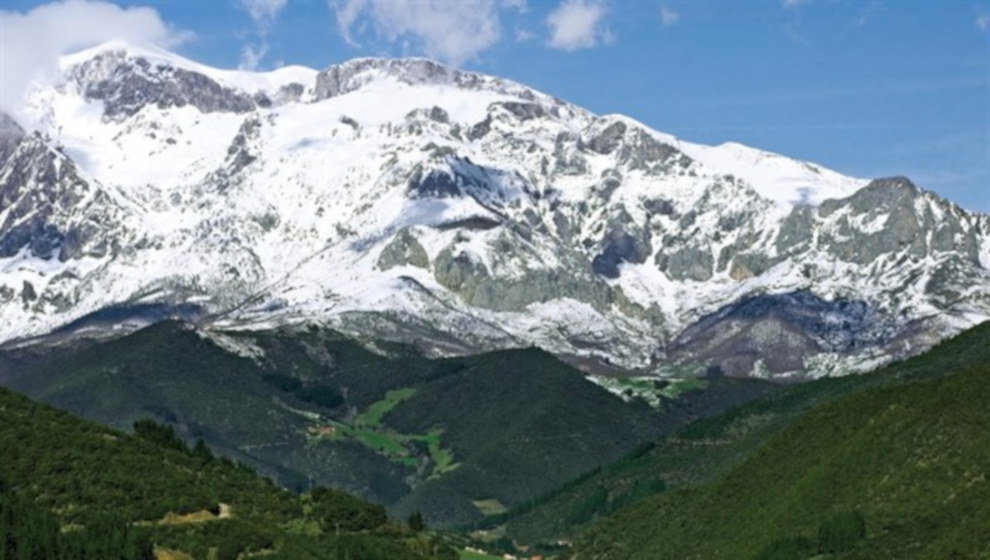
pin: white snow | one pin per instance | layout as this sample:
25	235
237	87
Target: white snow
785	181
246	81
298	232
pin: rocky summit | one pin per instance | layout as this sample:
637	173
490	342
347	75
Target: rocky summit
409	201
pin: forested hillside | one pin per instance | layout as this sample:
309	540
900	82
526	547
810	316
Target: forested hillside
895	469
72	489
311	406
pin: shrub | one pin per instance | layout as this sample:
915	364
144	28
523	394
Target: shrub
841	532
326	396
339	511
790	548
158	434
281	382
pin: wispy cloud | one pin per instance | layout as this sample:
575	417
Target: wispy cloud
523	36
983	19
453	31
31	42
252	55
794	26
867	13
576	24
264	13
669	16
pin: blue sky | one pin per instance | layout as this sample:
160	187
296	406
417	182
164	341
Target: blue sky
867	87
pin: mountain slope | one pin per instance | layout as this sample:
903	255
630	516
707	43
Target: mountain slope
409	201
908	456
711	446
91	485
309	406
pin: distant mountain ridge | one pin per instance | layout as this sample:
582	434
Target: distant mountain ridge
406	200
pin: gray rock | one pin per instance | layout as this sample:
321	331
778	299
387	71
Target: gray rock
907	221
345	78
642	151
797	231
354	74
289	93
11	135
439	115
344	119
403	250
434	113
522	111
567	156
610	182
660	207
489	289
239	153
749	265
688	263
43	195
126	84
780	331
606	141
618	247
28	294
480	129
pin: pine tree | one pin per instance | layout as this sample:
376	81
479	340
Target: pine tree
416	521
202	452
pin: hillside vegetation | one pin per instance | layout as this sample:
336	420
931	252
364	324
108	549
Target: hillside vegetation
897	468
72	489
448	438
707	448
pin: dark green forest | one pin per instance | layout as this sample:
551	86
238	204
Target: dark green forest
505	426
892	466
72	489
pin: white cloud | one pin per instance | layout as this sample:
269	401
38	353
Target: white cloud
264	13
252	55
347	12
452	30
668	16
575	24
31	42
794	27
983	21
871	10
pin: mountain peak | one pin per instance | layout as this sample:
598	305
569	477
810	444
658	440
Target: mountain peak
407	199
107	57
358	73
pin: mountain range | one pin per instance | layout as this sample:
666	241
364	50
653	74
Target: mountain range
403	200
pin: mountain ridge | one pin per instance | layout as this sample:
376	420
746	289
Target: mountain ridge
467	213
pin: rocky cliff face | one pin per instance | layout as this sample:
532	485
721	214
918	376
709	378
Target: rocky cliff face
406	200
47	209
126	85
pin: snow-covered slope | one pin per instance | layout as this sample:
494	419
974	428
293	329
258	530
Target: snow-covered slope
406	200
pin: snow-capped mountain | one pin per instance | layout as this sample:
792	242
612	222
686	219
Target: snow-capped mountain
406	200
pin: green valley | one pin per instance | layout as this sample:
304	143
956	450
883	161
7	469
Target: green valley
515	451
308	407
